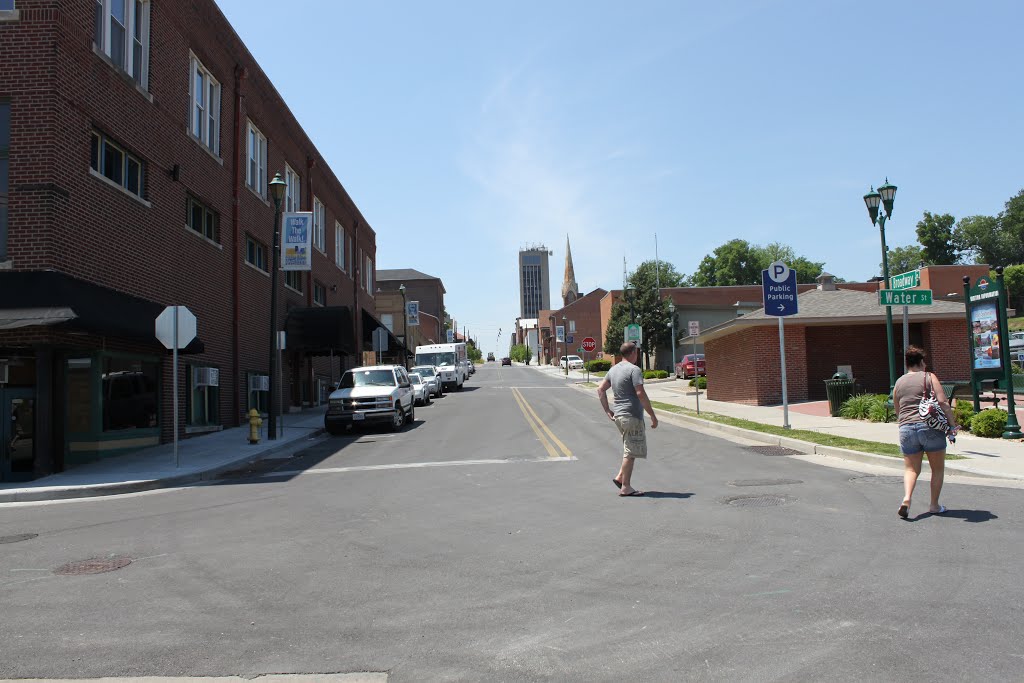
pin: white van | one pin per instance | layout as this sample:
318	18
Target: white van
450	360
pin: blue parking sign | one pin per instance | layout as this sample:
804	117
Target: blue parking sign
779	288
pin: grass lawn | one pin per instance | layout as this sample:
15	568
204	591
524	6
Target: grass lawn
592	385
1015	324
876	447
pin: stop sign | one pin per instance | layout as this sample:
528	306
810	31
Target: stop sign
589	344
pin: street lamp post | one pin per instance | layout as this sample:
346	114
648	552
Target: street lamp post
565	345
672	325
872	199
552	337
277	188
405	328
628	293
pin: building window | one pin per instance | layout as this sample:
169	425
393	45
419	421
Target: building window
201	218
351	255
369	275
121	31
256	174
572	327
292	188
5	169
203	396
129	394
111	161
319	230
205	113
256	254
339	244
259	388
293	279
319	293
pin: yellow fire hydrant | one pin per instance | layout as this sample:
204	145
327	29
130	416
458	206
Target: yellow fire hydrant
255	422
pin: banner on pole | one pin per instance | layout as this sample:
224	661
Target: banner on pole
297	241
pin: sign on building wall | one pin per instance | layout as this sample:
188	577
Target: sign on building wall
297	241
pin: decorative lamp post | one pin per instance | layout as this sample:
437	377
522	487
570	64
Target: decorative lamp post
552	338
405	328
672	325
277	189
565	346
628	293
884	196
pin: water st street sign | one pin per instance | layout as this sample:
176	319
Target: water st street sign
908	280
779	289
907	297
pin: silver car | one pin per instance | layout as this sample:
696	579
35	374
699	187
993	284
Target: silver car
430	378
420	390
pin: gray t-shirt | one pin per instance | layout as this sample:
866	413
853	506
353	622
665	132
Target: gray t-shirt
625	378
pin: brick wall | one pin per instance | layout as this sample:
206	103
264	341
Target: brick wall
945	342
66	219
745	367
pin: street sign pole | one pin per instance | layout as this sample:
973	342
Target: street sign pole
174	365
906	335
175	328
694	333
782	357
780	299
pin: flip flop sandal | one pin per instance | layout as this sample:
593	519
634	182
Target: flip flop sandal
617	483
634	493
904	511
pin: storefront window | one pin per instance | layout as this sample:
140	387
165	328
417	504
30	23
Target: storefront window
79	396
129	394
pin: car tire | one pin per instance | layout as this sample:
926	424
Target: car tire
397	420
410	417
426	401
335	431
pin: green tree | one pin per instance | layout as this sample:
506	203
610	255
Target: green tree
995	240
733	263
520	353
903	259
1013	279
650	308
613	336
806	270
935	235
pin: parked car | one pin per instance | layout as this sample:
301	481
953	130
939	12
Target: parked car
490	358
420	390
431	377
470	366
506	361
575	362
377	394
1017	341
691	365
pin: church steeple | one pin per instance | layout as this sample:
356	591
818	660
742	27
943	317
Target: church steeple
570	290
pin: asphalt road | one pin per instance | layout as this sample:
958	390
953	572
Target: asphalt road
487	542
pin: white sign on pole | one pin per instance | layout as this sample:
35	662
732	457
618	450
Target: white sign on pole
451	335
560	333
297	241
175	328
694	328
633	333
380	339
412	313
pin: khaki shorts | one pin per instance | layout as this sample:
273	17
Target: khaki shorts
634	438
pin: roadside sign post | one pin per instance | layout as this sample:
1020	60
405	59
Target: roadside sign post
779	289
280	380
175	329
908	280
694	333
380	343
588	345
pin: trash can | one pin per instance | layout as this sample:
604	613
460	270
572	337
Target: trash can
838	389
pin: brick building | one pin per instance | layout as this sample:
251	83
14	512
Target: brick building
582	320
428	290
835	329
140	139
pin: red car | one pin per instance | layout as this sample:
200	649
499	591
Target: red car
506	361
685	368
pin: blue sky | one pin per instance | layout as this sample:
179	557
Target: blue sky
500	124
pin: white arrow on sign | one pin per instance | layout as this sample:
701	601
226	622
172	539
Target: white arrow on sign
186	327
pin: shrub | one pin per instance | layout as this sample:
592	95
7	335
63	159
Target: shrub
655	374
990	423
881	411
964	413
599	365
858	407
699	382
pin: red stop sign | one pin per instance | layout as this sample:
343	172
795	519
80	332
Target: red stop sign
589	344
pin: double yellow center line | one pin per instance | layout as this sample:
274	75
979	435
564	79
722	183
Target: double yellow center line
544	434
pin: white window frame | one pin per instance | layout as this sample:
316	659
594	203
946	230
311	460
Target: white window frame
256	162
319	293
210	219
319	218
293	280
293	190
126	158
204	107
369	275
103	41
339	245
260	249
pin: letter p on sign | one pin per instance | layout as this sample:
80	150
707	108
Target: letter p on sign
778	272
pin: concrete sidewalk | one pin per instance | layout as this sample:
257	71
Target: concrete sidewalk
200	458
997	458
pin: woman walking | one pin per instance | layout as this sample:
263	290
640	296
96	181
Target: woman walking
925	419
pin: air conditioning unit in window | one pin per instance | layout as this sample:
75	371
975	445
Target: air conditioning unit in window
205	377
259	383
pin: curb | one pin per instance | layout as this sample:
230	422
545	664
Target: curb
122	487
808	448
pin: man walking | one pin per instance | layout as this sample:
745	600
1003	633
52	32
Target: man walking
627	412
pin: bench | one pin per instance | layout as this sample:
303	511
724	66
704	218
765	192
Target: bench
961	390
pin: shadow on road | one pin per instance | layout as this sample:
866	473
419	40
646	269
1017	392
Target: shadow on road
972	516
666	494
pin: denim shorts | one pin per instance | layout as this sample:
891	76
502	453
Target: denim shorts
917	436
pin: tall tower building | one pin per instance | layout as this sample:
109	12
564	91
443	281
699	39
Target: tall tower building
534	286
570	290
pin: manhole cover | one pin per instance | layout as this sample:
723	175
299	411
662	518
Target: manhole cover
773	450
17	537
95	565
764	482
888	480
759	500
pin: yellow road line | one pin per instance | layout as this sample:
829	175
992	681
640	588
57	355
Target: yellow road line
536	430
561	446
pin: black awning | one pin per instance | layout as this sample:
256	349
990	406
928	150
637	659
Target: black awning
320	330
97	309
370	323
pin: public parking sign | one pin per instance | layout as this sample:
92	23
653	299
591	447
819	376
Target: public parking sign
779	288
589	344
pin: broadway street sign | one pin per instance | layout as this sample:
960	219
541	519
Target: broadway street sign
909	297
908	280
